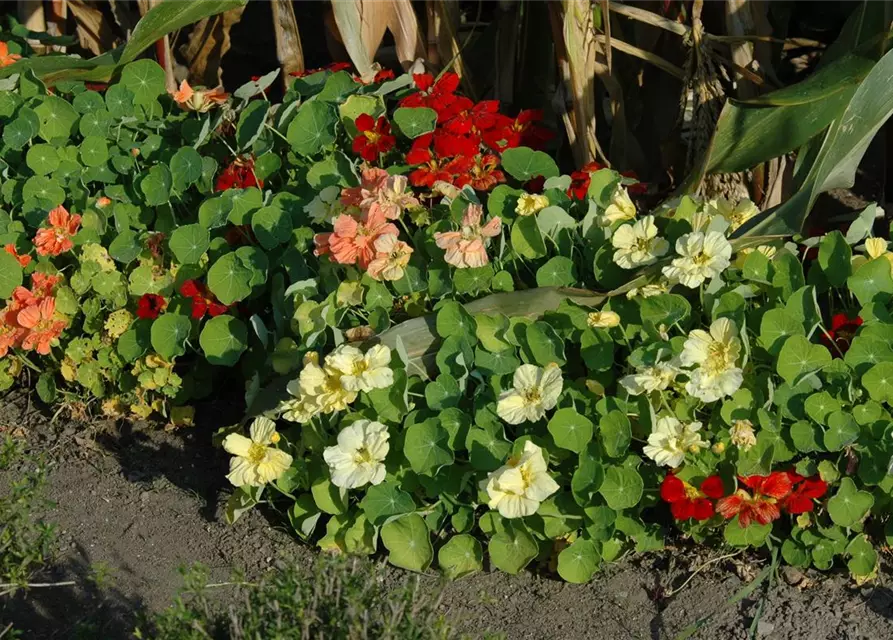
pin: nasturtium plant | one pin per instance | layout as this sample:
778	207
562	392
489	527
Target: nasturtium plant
452	354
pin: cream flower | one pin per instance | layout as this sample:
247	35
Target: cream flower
359	371
875	247
529	204
766	249
321	387
653	289
742	434
358	458
517	488
621	208
716	356
703	256
637	244
603	319
534	392
671	440
326	206
301	410
648	379
735	213
255	462
391	257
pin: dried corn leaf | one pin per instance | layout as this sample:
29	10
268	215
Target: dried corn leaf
93	30
580	50
288	39
208	43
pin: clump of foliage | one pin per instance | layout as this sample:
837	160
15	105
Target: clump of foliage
26	543
335	598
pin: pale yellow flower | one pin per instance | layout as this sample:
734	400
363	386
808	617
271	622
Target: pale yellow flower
702	256
736	213
653	289
358	458
621	208
875	247
362	371
671	440
742	434
638	244
255	462
517	488
603	319
534	391
529	204
716	355
650	379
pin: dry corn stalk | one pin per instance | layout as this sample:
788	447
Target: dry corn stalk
288	40
361	27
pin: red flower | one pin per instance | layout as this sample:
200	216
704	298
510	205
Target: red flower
805	491
763	505
580	181
150	306
484	174
841	333
334	68
238	175
636	188
374	137
437	165
434	95
203	301
523	130
535	185
382	76
688	502
464	116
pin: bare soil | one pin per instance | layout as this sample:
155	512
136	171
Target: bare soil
140	503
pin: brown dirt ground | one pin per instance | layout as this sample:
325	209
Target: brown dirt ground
142	503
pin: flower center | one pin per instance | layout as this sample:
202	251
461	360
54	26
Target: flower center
643	245
363	456
719	357
256	453
532	395
691	492
372	136
700	259
359	367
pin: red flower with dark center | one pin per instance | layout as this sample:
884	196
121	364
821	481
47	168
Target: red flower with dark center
238	175
374	137
688	502
435	165
806	490
580	181
483	175
841	333
763	505
150	306
433	94
203	301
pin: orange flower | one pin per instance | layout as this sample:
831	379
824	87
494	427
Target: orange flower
7	58
57	239
42	284
42	326
103	202
353	241
763	505
23	260
199	100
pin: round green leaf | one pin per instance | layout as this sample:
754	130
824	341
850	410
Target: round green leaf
229	279
214	212
570	430
878	381
557	272
527	240
579	562
408	542
10	274
453	320
312	128
443	392
144	79
794	553
223	340
807	437
57	118
385	501
169	334
512	549
44	189
88	102
622	487
863	557
872	280
42	159
799	357
460	556
189	242
523	164
835	258
251	123
842	431
544	345
329	498
119	101
414	122
616	433
849	505
94	151
819	406
427	447
156	185
186	168
588	476
753	535
272	226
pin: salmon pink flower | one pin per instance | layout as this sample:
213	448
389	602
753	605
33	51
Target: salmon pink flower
391	258
805	491
23	260
466	248
203	301
150	306
373	138
763	505
7	58
42	325
353	240
57	239
378	189
198	99
686	501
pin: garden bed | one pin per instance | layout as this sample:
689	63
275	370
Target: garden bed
144	503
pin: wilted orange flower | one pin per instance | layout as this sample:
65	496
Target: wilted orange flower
7	58
198	99
57	239
103	202
23	260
